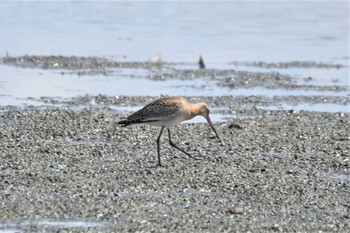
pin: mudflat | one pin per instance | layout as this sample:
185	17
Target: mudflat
279	171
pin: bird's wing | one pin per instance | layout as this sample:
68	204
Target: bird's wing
153	113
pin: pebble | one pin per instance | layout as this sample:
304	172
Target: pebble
236	210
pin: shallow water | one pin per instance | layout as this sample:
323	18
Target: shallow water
16	84
339	176
323	107
18	226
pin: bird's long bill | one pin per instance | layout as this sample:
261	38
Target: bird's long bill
212	126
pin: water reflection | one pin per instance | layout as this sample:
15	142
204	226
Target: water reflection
12	227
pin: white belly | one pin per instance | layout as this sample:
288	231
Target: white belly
167	123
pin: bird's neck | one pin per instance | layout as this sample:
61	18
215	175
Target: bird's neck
194	110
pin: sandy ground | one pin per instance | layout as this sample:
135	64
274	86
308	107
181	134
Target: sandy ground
72	168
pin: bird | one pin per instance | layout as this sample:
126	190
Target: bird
201	62
156	60
167	112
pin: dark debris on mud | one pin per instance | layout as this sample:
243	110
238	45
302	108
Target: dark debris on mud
76	62
71	62
230	102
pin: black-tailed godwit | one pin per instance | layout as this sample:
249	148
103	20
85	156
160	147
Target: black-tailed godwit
167	112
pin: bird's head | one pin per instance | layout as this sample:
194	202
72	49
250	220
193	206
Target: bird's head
203	110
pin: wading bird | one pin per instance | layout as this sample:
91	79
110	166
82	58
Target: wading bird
167	112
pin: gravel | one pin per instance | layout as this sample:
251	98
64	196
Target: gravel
79	171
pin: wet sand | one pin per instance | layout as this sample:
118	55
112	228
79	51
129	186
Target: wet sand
78	170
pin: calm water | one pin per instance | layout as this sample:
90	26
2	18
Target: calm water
269	31
180	31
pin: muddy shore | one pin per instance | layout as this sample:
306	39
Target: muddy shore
66	164
286	171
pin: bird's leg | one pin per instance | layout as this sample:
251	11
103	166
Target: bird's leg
175	146
158	146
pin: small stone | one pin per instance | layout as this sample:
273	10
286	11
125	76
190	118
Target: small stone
236	125
236	210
